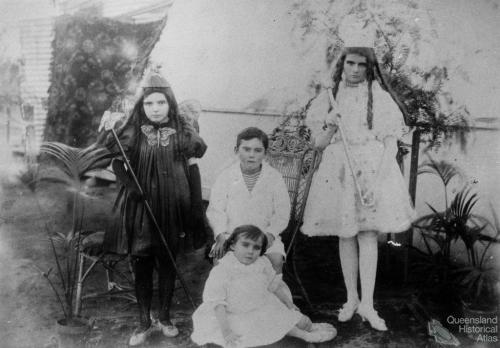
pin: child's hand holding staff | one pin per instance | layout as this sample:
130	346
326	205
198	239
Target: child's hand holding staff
365	196
110	119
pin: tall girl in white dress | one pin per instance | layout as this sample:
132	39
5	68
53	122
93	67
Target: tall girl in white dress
371	122
244	303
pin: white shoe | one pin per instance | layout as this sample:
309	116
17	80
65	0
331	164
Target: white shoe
140	335
168	330
372	317
322	326
347	311
319	336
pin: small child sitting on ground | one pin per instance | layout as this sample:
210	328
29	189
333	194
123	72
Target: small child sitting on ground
244	303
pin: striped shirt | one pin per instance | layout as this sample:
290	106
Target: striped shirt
251	179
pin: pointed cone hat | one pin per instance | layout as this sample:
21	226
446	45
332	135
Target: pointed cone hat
155	80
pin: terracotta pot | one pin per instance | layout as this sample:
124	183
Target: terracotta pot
73	334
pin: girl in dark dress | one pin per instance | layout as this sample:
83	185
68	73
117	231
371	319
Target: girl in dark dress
158	143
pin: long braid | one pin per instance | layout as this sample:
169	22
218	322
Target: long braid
373	73
176	120
178	137
369	106
370	75
337	74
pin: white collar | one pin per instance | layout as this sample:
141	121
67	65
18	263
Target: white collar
230	261
345	85
237	173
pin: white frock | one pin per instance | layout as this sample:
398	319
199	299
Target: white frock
253	311
333	206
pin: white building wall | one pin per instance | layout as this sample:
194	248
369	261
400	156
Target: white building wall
36	35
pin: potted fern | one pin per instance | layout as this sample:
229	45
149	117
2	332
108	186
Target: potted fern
438	229
479	278
69	166
475	280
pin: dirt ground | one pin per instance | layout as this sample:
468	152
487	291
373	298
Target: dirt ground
28	308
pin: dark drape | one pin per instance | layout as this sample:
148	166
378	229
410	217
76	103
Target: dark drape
95	60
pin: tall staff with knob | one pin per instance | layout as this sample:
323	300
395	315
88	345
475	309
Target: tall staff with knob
152	149
364	196
358	190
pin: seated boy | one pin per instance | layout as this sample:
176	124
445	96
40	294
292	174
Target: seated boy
250	192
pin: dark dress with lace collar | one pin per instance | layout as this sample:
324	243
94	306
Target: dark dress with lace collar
158	156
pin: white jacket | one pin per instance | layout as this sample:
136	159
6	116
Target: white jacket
232	205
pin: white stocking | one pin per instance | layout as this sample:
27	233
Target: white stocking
368	255
348	251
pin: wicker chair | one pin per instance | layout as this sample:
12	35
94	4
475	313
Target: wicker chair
291	154
119	283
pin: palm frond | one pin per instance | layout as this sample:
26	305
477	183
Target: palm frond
462	204
90	158
70	165
496	220
62	152
424	221
73	162
445	170
494	239
59	239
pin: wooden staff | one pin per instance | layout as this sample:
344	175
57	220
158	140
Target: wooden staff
365	201
152	216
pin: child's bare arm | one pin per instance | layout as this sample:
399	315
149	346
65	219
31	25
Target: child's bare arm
229	336
278	289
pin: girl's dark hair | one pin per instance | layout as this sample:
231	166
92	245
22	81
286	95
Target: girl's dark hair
372	72
248	231
252	133
138	117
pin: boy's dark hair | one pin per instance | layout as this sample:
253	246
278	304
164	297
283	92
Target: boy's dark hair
249	231
251	133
